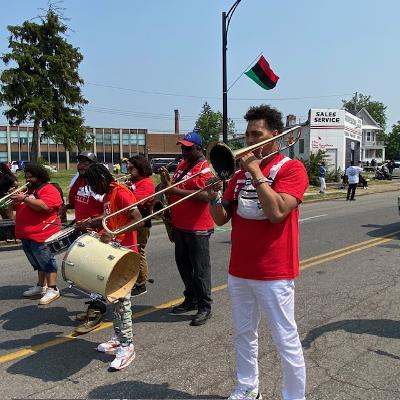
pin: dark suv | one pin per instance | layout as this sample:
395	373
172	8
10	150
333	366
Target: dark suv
169	163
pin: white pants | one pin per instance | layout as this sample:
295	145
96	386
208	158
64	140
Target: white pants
276	298
322	183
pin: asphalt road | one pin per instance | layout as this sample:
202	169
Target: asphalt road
347	308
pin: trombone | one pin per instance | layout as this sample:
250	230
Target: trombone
222	162
6	200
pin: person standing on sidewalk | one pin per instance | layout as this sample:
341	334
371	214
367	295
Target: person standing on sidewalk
262	201
322	174
353	177
36	219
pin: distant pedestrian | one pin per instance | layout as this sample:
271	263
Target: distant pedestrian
322	174
353	177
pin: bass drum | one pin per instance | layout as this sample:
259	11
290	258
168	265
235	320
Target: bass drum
104	268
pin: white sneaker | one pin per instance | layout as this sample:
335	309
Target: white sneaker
245	394
125	355
109	347
50	295
35	291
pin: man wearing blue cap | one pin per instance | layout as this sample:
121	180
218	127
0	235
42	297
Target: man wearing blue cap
193	226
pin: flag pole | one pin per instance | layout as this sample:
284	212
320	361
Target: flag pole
226	19
229	88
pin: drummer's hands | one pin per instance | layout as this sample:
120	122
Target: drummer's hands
249	162
84	225
213	191
106	237
62	213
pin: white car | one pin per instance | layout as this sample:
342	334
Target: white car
50	168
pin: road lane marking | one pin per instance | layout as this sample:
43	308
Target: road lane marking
306	263
315	216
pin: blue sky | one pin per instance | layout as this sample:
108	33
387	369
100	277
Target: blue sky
143	59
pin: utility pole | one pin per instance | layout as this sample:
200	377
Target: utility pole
226	19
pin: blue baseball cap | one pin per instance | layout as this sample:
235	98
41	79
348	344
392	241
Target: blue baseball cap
190	139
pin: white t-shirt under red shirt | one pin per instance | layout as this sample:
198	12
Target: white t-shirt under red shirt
263	250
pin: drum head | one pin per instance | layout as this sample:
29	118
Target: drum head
123	277
58	235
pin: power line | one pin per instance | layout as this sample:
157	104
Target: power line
216	98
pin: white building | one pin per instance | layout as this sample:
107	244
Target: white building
334	131
371	147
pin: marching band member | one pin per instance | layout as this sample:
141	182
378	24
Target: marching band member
262	200
193	226
7	182
116	197
35	221
142	186
87	205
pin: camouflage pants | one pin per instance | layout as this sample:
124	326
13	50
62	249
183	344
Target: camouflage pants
122	321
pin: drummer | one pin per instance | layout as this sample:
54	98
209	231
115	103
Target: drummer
87	205
35	221
116	197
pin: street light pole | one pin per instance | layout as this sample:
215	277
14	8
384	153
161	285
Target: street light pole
226	18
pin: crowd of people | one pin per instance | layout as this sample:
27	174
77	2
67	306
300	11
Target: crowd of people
261	201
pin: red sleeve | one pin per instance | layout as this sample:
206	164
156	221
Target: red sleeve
72	192
230	189
292	179
50	196
144	188
200	180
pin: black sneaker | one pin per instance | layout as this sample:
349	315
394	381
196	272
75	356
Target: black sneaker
138	290
184	308
201	317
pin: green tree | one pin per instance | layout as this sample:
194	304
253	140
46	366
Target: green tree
209	124
43	85
375	108
393	143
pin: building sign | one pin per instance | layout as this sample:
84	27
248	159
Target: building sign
326	117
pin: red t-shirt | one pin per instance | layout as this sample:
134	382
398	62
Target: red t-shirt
260	249
122	199
31	224
191	215
86	203
142	188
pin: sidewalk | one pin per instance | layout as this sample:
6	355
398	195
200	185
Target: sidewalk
332	192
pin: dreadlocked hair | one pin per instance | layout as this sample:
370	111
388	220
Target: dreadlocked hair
98	177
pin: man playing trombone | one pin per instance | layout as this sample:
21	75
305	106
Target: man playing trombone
193	226
262	201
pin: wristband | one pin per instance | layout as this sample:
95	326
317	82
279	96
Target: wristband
258	181
216	201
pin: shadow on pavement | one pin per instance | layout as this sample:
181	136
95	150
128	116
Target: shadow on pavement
142	390
162	315
30	317
33	341
12	292
381	229
385	328
57	363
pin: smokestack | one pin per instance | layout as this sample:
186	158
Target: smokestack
176	121
290	120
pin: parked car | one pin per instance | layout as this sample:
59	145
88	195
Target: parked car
18	165
169	163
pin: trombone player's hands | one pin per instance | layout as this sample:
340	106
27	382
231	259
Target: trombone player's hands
250	163
213	186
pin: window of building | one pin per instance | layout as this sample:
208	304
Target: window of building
3	156
141	139
3	137
125	139
107	138
134	138
99	138
301	146
23	137
115	138
108	157
368	136
14	136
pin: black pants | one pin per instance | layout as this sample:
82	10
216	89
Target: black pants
351	189
192	256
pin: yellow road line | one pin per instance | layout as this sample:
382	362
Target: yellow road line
306	263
